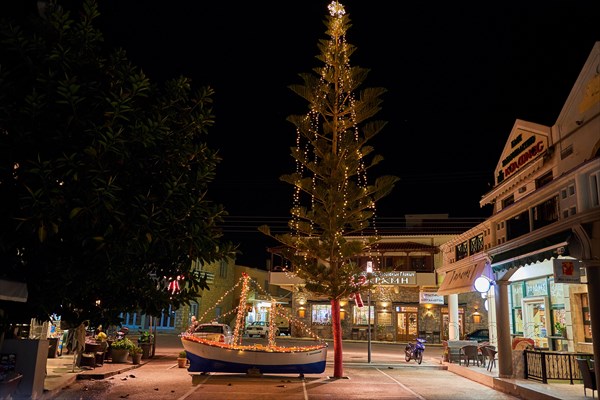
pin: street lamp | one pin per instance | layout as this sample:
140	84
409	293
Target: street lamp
369	272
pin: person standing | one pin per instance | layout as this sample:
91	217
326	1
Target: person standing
79	339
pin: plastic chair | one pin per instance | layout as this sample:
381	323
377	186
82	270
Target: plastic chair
589	379
468	353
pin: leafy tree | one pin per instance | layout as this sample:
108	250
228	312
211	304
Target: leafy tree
332	198
103	175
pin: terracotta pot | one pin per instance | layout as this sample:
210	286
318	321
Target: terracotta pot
181	362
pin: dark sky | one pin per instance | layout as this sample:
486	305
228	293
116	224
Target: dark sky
458	75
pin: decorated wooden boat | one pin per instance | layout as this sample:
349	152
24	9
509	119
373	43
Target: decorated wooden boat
208	355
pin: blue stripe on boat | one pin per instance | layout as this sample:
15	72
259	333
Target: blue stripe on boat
201	364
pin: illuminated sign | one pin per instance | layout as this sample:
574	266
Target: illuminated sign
522	152
395	278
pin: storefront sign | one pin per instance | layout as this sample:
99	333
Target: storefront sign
430	298
566	271
395	278
460	280
523	150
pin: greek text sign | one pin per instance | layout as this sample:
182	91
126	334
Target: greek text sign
430	298
395	278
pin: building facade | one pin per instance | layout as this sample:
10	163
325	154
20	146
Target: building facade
402	304
540	248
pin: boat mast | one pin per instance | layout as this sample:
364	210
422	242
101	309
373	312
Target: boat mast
241	309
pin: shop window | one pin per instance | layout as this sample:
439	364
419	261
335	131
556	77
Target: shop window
587	319
537	287
516	296
321	314
518	320
557	295
361	315
558	320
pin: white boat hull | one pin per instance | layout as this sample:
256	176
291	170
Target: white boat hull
217	358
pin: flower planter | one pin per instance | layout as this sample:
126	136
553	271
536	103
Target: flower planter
146	348
119	355
136	358
181	362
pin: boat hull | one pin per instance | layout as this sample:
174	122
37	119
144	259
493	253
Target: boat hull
208	358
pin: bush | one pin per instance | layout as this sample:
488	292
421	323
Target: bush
136	350
182	354
123	344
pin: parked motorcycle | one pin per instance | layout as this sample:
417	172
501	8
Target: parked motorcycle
415	351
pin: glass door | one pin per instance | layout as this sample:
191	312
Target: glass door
407	327
536	320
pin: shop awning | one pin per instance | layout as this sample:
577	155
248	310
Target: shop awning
13	291
461	280
536	251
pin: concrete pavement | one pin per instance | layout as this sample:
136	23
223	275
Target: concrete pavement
60	373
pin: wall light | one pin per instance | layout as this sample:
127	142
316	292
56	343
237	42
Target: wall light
482	284
301	312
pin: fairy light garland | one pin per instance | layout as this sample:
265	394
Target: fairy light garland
276	310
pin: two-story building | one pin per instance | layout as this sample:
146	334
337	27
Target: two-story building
540	248
402	304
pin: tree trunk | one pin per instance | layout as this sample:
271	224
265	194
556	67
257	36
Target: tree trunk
336	326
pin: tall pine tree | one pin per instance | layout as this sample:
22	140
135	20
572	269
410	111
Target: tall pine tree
332	198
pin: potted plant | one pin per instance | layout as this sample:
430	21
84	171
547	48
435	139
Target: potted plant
119	350
560	328
145	342
182	359
136	354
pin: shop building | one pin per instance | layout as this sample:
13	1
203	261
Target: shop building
540	248
402	304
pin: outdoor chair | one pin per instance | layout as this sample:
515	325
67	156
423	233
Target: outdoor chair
490	352
589	378
468	353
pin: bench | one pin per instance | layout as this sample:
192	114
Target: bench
453	347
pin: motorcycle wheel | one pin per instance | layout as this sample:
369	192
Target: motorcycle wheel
407	356
419	357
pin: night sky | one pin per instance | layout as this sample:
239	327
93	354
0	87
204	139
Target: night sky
458	76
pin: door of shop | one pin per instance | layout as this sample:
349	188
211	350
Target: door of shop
407	327
446	323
